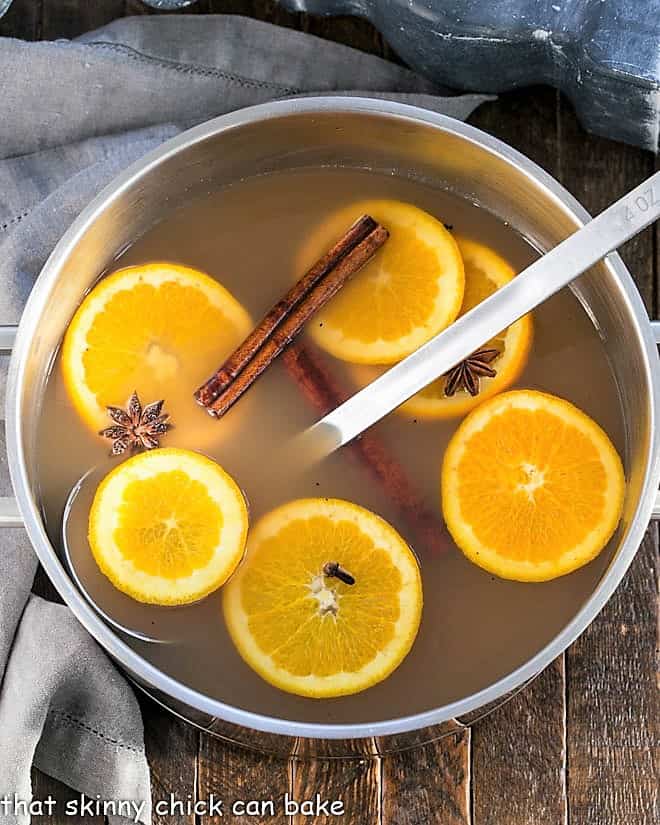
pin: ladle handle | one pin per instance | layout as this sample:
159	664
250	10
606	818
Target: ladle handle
542	279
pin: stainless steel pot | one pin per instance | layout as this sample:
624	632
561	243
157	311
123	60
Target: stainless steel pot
402	140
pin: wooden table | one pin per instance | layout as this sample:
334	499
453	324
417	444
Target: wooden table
580	744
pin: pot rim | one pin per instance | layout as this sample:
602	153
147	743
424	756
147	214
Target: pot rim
107	638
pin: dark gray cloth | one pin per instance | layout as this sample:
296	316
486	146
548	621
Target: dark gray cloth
73	115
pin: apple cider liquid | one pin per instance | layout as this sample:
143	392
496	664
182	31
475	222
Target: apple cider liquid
475	628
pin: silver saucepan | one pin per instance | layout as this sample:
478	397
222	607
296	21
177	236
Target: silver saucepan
362	133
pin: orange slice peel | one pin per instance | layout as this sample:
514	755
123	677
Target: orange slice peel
532	488
168	526
159	328
314	635
410	290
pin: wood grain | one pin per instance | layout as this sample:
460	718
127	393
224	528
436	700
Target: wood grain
69	18
23	20
238	775
351	31
613	710
526	119
430	784
172	749
354	782
518	757
44	787
267	10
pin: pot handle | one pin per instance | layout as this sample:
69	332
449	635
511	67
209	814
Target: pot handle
9	513
655	326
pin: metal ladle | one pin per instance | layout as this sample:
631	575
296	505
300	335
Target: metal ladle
146	622
549	273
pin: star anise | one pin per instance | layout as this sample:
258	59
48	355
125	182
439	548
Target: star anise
466	375
136	428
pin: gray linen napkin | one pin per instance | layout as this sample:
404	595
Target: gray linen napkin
73	115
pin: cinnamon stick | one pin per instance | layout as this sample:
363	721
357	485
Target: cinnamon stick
308	369
285	320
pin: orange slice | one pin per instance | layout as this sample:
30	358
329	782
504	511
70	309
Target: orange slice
160	329
485	272
532	488
168	526
311	634
410	290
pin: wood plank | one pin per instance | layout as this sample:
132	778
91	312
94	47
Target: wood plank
429	785
172	749
43	788
351	31
135	7
69	18
613	707
22	20
237	775
518	756
612	710
527	120
269	11
355	784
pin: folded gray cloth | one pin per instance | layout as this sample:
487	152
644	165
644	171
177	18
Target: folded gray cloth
73	115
